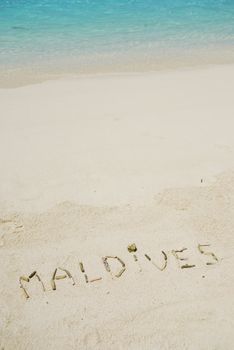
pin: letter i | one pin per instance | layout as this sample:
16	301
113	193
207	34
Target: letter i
132	249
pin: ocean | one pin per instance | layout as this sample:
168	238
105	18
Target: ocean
85	36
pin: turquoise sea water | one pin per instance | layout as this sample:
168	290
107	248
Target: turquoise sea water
86	35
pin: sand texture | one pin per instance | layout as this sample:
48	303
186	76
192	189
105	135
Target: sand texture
92	165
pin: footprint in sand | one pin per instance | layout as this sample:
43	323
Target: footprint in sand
92	339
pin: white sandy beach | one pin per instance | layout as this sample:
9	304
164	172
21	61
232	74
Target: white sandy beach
92	164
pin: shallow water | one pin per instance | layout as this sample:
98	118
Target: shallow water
97	35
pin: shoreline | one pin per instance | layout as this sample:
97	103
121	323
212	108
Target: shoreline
18	77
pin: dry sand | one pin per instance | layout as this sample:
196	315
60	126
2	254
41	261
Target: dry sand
93	164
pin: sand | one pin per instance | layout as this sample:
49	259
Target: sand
92	164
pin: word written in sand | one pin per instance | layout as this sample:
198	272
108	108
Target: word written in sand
60	273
